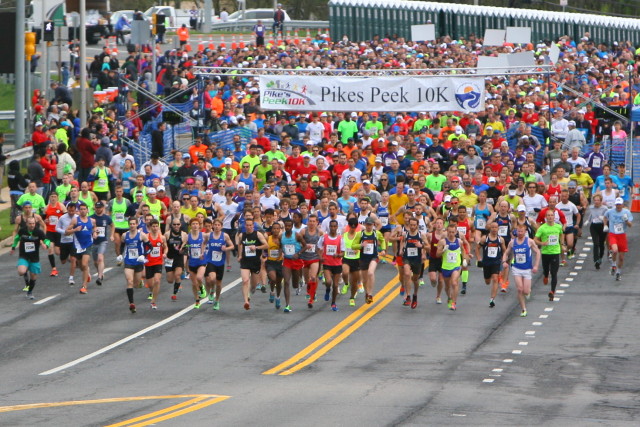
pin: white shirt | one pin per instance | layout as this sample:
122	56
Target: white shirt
535	202
357	173
376	173
117	163
578	161
342	223
315	132
224	16
569	210
269	202
161	169
559	128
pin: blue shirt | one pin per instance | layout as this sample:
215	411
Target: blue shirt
617	221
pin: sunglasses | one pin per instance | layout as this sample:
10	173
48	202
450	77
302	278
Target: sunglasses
176	225
383	179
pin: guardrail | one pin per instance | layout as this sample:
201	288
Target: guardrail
247	24
19	154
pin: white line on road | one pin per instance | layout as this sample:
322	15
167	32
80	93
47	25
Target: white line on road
507	361
516	352
530	333
559	291
43	300
132	336
488	380
497	370
543	316
580	261
106	270
523	343
569	279
537	323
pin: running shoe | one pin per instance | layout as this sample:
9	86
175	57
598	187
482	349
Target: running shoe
479	264
154	306
360	289
382	261
597	265
150	297
99	281
453	306
310	303
438	300
407	301
247	306
369	299
327	294
550	296
618	277
449	302
613	270
421	282
527	296
307	296
30	295
277	303
345	288
298	290
545	280
563	263
228	268
272	297
132	307
524	313
187	276
83	290
216	305
352	302
414	304
119	260
263	288
211	298
174	297
492	303
71	281
570	255
54	272
464	290
402	290
287	309
196	305
334	307
25	289
203	292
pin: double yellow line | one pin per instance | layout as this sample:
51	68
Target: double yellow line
334	336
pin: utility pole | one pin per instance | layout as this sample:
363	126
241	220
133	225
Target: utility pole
83	63
20	73
208	7
45	56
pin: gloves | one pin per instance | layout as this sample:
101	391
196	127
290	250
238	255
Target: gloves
625	217
605	229
464	263
141	258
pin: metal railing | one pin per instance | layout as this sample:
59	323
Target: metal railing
247	24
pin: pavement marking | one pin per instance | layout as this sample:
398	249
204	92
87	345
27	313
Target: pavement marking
583	255
530	333
573	273
346	333
536	324
133	336
43	300
586	249
106	270
564	285
580	261
332	332
543	316
556	299
588	243
488	380
577	267
523	343
497	370
559	291
507	361
569	279
516	352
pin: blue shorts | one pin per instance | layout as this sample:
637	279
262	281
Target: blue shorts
447	273
33	267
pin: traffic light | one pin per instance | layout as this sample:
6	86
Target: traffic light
154	24
29	45
48	31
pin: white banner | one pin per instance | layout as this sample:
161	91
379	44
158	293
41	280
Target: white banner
390	93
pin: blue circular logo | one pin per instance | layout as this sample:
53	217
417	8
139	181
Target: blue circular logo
468	96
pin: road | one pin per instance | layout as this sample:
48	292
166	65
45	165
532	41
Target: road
573	361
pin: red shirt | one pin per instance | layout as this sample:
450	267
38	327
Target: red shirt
308	194
303	171
496	168
338	168
325	178
543	213
293	163
87	152
265	142
39	137
155	256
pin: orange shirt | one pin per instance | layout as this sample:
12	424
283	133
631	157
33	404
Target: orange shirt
183	34
194	151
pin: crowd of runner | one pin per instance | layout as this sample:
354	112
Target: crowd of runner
315	202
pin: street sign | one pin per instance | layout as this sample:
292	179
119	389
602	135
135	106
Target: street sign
564	2
140	32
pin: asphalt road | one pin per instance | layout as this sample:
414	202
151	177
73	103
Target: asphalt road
382	364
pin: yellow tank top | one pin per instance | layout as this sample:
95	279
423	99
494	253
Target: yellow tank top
274	252
348	252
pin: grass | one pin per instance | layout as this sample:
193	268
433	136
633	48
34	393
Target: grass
7	228
7	98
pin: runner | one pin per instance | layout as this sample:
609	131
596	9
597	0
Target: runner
492	249
351	262
505	222
118	207
28	240
551	238
596	228
67	248
311	258
156	248
332	251
84	232
435	261
617	220
174	258
570	212
134	259
453	258
481	213
371	244
103	223
292	245
197	264
523	266
218	244
273	265
52	212
414	254
252	243
466	233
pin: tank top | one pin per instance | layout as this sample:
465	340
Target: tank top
118	210
101	184
383	214
250	239
452	256
195	246
290	245
348	252
126	183
154	257
273	252
481	216
332	246
609	200
321	216
247	181
132	249
433	252
410	251
312	239
504	227
155	209
492	252
423	226
173	245
527	223
52	214
102	222
210	210
83	239
87	201
369	244
522	255
363	218
464	230
216	256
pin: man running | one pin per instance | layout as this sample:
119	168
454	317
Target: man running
453	258
218	244
134	259
67	248
523	266
311	258
617	220
84	232
551	238
197	264
435	261
252	243
53	211
174	258
99	247
28	241
273	265
293	245
156	247
493	247
118	207
332	251
372	245
413	256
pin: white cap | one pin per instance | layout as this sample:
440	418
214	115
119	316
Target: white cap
241	185
504	144
447	198
366	181
38	124
401	152
323	115
228	161
151	190
354	114
378	159
619	201
492	179
160	188
572	123
306	155
522	208
458	130
394	142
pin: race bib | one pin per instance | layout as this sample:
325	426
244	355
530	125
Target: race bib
367	249
618	228
412	252
554	162
492	252
81	250
521	258
195	252
133	253
384	220
168	262
101	231
472	169
597	161
29	247
452	257
503	230
462	231
311	250
289	250
332	250
119	217
126	184
351	253
249	252
553	240
216	256
102	182
53	220
155	252
469	211
481	223
274	253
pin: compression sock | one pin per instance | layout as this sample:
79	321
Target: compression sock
32	284
465	276
130	295
52	261
176	287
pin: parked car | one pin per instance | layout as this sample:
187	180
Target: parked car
176	17
266	15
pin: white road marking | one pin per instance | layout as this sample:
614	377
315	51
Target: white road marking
569	279
523	343
516	352
536	324
543	316
578	267
580	261
132	336
530	333
556	299
583	255
573	273
559	291
43	300
497	370
564	285
586	249
588	243
106	270
590	238
488	380
548	309
507	361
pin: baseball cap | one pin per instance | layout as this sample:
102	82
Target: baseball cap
369	220
354	114
411	191
228	161
315	179
38	124
65	123
458	130
99	205
455	179
394	142
619	201
307	155
151	191
572	184
522	208
572	123
160	188
366	181
401	152
378	159
492	179
241	185
189	181
462	167
447	198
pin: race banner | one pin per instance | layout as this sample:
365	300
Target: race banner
388	93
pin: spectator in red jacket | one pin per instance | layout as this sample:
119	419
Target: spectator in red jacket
39	138
87	149
50	166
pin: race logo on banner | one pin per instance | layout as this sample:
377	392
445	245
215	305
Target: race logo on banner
389	93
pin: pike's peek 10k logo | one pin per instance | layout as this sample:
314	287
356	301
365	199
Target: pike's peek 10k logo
285	93
468	96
